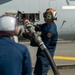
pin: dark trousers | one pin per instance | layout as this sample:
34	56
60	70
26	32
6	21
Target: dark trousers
42	65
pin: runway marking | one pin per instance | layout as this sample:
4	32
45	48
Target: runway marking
64	58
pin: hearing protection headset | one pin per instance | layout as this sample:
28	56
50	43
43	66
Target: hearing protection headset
50	14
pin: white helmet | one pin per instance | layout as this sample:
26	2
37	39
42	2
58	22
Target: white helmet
8	24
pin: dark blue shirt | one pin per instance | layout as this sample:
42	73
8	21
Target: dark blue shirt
50	42
14	58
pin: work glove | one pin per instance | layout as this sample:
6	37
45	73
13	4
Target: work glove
37	27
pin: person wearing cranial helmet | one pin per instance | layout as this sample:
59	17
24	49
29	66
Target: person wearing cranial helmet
18	27
49	36
14	57
50	14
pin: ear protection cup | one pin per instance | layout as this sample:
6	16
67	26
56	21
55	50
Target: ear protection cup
55	15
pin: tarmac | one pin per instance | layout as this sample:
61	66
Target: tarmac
64	55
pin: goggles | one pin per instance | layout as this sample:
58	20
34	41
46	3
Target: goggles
47	15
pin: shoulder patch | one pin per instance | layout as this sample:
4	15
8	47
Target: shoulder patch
49	35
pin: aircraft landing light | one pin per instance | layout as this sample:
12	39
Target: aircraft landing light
64	58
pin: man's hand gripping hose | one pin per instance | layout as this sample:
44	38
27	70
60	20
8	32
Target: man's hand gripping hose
30	29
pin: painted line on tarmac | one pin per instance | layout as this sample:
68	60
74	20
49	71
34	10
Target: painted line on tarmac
64	58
